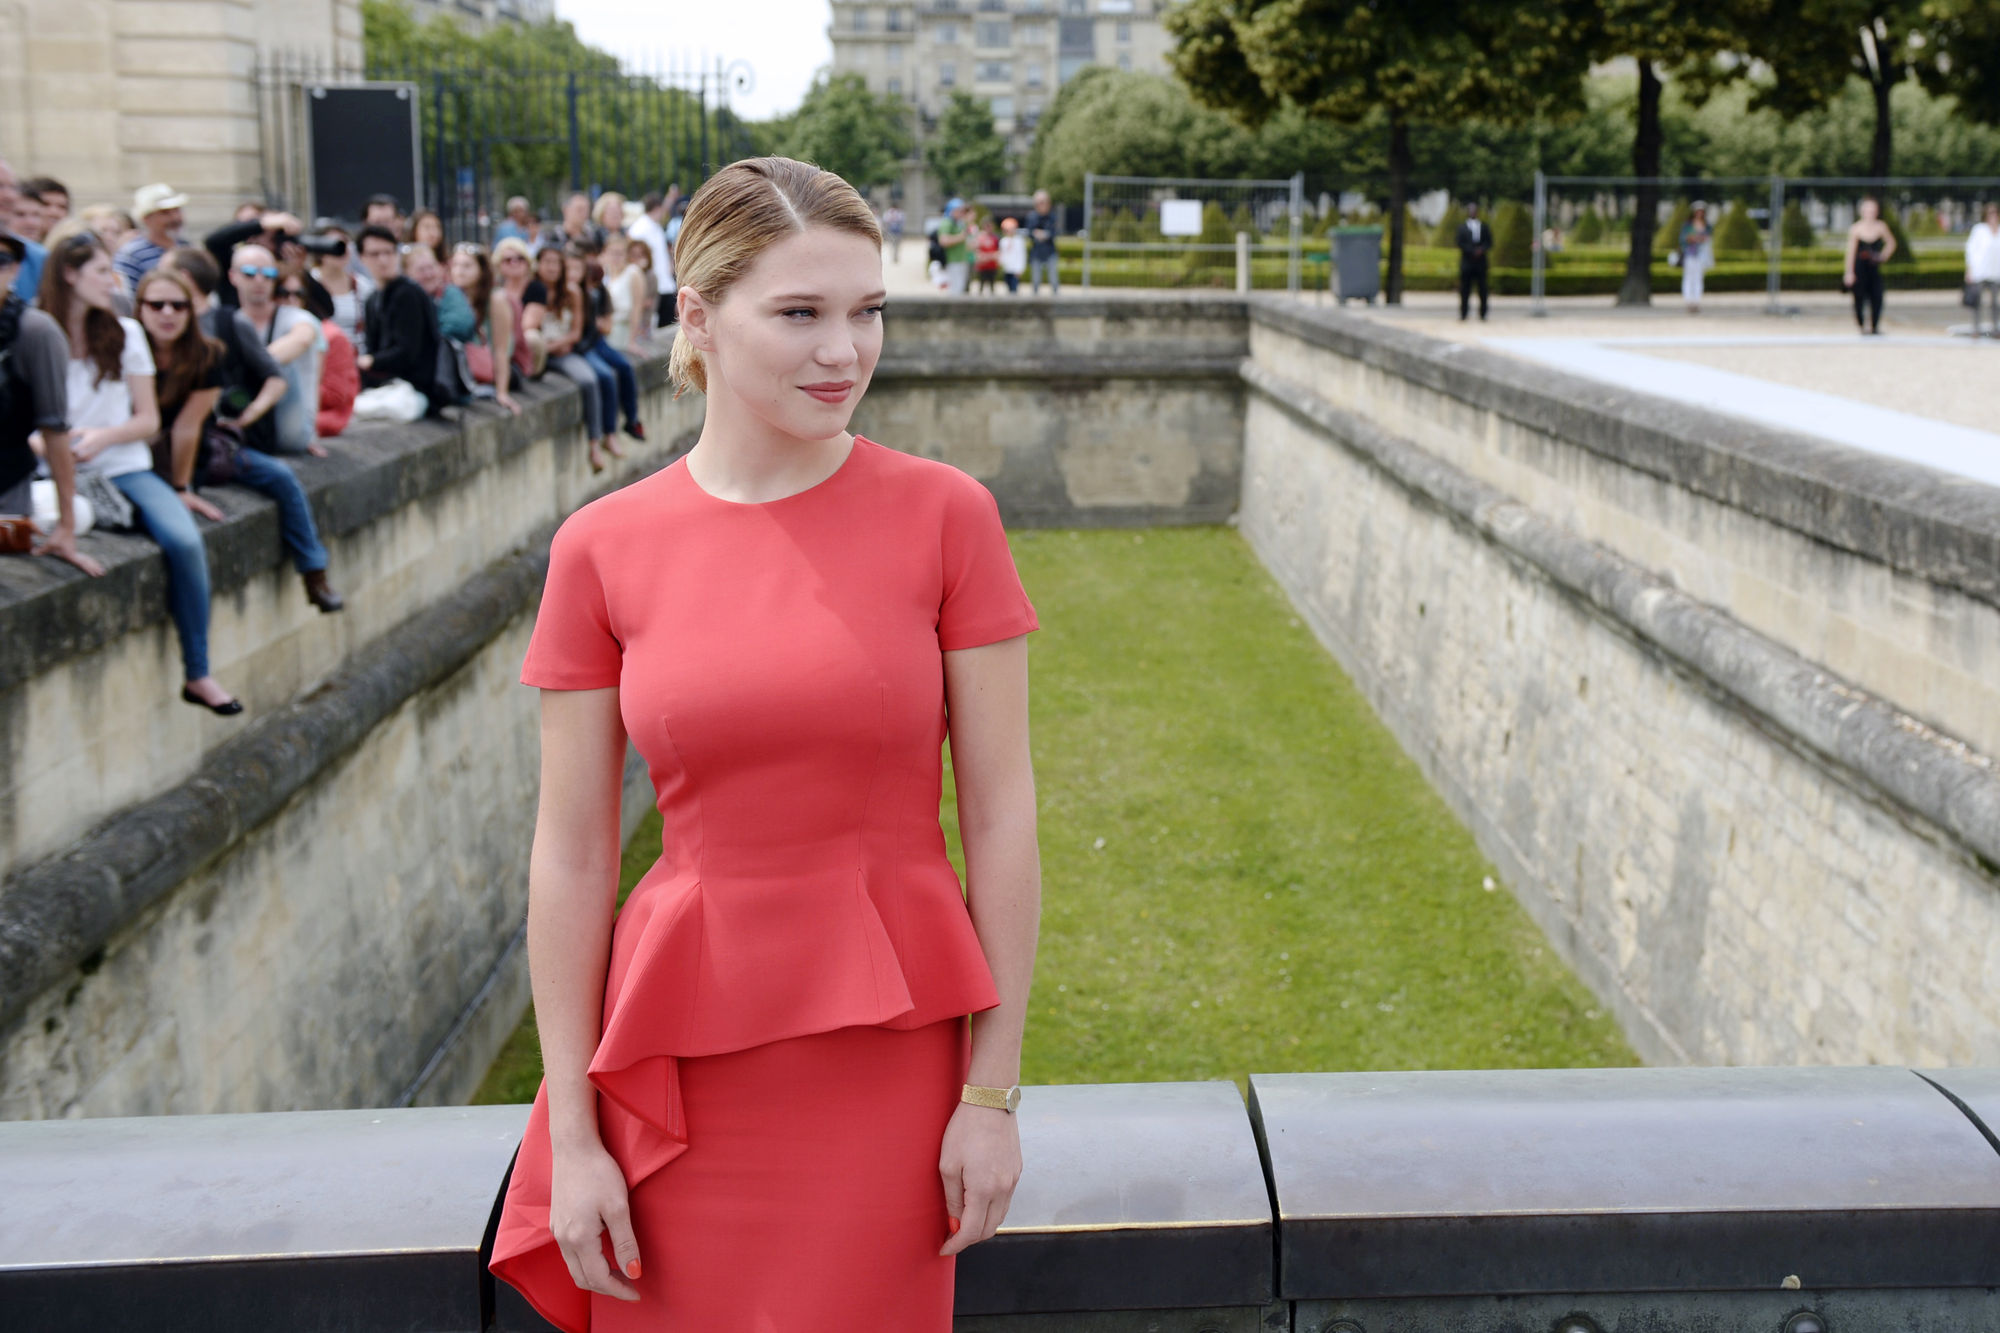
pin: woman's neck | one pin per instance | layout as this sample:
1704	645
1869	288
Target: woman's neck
741	458
79	316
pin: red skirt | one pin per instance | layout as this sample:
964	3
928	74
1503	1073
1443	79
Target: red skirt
808	1196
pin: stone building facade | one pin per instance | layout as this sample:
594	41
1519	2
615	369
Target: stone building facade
1013	53
109	95
478	14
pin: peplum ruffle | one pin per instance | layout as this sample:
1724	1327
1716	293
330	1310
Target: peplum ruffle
702	966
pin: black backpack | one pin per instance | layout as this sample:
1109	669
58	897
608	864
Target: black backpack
12	308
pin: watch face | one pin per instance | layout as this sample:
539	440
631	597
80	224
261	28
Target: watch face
1013	1097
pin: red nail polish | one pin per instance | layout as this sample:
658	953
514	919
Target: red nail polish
632	1270
952	1223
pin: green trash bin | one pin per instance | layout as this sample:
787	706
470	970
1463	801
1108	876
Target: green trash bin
1356	270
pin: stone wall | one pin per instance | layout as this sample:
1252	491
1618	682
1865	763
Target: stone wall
1602	624
110	95
319	903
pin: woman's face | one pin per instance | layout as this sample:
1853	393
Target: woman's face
512	265
573	270
429	231
613	258
639	254
163	309
797	338
549	266
1870	210
464	271
95	280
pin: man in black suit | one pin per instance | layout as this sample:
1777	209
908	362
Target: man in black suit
1475	242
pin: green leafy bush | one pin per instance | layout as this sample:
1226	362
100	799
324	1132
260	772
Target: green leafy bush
1737	233
1794	228
1669	235
1589	229
1513	235
1446	231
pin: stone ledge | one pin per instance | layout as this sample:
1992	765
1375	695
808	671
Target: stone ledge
950	365
1909	517
1922	770
51	613
57	914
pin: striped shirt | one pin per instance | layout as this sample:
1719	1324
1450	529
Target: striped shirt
136	258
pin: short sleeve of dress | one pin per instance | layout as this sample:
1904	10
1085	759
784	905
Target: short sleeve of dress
983	600
572	647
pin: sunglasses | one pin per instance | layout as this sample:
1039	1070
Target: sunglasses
291	294
256	271
157	306
513	259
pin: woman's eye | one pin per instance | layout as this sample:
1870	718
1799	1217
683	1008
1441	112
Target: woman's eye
872	312
799	310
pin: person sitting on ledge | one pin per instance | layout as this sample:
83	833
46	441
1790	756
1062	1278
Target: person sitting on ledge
34	398
293	339
400	323
252	384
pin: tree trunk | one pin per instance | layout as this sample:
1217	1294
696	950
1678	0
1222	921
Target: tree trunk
1637	289
1878	158
1399	204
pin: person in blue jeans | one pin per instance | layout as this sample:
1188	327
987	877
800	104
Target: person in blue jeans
223	353
113	414
615	378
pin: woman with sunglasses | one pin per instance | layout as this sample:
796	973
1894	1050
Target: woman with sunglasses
187	379
562	325
294	341
345	287
513	272
490	349
113	416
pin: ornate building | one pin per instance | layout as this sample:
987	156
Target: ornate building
1013	53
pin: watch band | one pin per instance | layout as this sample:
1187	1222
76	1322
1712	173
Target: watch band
1000	1099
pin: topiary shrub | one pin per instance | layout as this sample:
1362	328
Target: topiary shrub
1589	229
1445	234
1904	254
1737	234
1513	235
1795	230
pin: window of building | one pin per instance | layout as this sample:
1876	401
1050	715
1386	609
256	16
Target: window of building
1124	30
995	71
858	18
895	86
1077	36
1003	107
894	21
1036	72
895	54
993	6
1033	6
1075	7
1114	6
947	34
1068	67
947	74
1031	113
1033	34
1125	60
998	33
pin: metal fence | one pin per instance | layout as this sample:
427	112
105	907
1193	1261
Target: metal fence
1794	238
490	131
1169	231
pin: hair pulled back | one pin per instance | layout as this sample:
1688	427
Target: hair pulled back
738	214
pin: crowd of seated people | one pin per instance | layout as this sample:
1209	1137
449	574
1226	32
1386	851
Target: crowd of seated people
147	371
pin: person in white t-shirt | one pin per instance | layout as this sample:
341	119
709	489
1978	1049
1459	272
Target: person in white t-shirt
1013	254
113	417
1982	269
650	228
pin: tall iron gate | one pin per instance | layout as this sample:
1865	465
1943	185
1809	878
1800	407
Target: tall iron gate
490	131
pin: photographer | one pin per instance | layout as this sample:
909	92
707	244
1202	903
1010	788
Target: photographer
280	233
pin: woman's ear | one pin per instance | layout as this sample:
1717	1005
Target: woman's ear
694	318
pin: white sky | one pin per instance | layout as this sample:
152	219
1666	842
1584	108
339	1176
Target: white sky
784	41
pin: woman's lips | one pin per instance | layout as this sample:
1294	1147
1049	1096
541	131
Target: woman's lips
830	393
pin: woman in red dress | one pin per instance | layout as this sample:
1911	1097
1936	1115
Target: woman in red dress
765	1109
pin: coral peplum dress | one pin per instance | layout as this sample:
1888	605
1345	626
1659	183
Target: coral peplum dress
784	1013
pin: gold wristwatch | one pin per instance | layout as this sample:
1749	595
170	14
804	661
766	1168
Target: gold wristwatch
1000	1099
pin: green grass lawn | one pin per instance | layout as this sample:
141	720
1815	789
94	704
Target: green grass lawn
1241	869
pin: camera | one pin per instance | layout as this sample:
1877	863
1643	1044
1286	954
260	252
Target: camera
332	247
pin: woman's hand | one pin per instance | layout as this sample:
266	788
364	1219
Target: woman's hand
86	445
506	400
197	505
62	545
587	1197
981	1164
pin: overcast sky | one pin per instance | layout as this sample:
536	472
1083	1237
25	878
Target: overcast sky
784	41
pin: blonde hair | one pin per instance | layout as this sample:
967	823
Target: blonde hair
737	215
609	211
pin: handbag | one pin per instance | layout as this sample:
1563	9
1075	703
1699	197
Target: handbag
220	457
479	360
107	502
17	536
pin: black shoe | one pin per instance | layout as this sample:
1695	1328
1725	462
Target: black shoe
230	709
636	429
320	594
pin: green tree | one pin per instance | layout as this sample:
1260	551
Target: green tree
850	131
1657	34
1348	61
1513	235
967	153
1589	229
1964	56
1669	236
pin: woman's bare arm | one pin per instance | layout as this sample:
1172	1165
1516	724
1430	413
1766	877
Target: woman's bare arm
986	695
